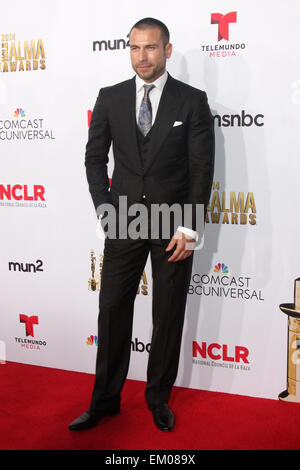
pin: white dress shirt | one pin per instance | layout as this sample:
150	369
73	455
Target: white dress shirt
154	96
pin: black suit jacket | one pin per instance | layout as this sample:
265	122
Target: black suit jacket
180	160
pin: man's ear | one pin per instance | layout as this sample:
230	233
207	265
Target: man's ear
168	50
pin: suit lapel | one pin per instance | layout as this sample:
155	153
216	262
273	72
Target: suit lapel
169	104
132	121
166	114
127	104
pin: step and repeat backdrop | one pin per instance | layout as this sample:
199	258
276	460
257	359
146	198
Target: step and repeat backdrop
55	56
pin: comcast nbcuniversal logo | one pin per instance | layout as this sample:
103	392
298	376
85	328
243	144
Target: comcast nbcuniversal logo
19	113
92	340
21	126
221	268
222	283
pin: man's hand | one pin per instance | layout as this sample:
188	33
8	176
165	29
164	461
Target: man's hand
184	249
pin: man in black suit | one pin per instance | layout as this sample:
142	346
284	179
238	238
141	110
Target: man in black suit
163	145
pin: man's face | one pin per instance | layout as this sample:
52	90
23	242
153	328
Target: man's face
148	54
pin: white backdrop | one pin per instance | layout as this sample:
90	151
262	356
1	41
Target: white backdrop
235	335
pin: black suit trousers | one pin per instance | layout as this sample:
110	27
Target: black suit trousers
123	264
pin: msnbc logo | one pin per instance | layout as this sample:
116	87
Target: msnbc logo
19	113
221	268
92	340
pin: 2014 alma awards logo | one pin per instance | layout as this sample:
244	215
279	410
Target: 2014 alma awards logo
94	282
21	55
234	208
292	310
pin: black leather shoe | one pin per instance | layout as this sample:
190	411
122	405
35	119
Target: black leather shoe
163	417
90	418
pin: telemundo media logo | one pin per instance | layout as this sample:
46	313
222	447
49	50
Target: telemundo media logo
223	48
223	23
27	343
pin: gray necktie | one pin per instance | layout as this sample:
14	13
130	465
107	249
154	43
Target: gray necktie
145	113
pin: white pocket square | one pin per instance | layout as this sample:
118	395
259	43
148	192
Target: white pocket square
177	123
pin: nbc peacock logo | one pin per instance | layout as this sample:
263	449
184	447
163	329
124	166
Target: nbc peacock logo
19	113
92	340
221	268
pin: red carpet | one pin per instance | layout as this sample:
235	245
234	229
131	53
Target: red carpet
38	403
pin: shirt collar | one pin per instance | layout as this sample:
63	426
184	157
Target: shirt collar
159	82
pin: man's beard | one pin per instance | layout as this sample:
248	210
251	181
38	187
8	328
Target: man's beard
151	74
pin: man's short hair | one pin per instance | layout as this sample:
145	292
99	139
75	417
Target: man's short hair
146	23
